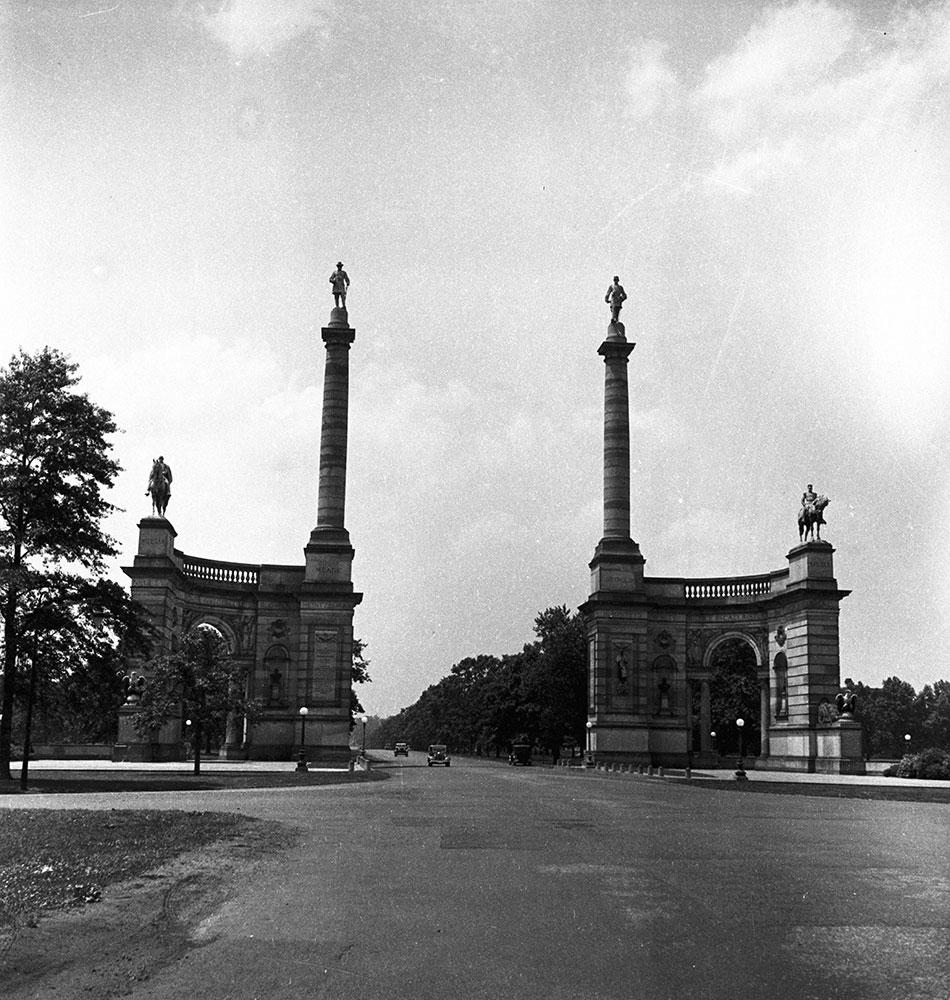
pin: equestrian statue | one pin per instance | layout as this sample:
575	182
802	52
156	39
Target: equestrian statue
810	517
159	486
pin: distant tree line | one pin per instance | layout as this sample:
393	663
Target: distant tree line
486	702
893	711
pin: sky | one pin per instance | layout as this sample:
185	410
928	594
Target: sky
769	181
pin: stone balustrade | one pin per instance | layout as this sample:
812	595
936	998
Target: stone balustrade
719	587
216	571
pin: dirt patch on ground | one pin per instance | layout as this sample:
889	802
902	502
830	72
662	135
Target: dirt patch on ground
103	949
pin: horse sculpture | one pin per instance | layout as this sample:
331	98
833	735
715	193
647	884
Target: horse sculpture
810	519
158	488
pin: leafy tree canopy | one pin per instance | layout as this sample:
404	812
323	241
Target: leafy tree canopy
199	681
54	469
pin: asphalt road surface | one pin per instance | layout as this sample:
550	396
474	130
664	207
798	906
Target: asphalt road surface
488	881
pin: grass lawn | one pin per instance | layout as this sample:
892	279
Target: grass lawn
179	781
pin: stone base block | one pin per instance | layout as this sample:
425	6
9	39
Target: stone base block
839	765
315	754
233	753
641	744
783	762
147	753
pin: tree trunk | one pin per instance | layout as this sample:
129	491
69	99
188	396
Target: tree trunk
9	674
28	728
197	745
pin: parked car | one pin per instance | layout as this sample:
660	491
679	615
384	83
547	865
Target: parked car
401	749
520	754
438	754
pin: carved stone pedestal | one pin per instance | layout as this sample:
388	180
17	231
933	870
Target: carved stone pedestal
839	748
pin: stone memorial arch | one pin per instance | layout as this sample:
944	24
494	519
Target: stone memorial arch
652	641
290	626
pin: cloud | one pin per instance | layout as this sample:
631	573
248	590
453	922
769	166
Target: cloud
651	83
252	27
787	50
805	86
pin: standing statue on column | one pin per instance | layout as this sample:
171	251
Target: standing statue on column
615	298
340	281
159	486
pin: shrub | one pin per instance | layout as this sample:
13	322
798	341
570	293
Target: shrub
933	764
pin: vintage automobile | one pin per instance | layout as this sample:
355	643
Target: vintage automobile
438	754
401	750
520	754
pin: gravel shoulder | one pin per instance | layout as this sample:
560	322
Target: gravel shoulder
92	902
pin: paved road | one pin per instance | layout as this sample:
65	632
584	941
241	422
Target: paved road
484	881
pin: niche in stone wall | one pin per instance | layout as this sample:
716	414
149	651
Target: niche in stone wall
664	686
781	686
276	669
621	678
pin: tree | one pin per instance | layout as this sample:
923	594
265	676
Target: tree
734	694
201	681
81	705
359	674
487	701
54	467
933	711
557	678
76	634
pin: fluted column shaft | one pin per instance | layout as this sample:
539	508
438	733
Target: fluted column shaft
336	390
616	439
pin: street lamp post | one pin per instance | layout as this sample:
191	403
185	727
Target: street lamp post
906	742
363	720
302	760
590	753
740	772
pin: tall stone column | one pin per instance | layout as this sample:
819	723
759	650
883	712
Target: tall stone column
764	715
329	554
616	438
331	502
616	612
617	564
324	655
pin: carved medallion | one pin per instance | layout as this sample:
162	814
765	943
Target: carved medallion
664	640
780	635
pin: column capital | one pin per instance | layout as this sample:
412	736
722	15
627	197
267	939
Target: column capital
338	335
614	350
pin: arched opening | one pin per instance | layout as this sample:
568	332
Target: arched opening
213	730
734	694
